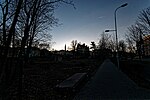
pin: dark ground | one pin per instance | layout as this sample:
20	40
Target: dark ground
137	71
41	77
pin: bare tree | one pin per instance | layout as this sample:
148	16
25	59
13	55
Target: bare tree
44	46
144	20
130	45
104	41
122	46
39	18
4	75
93	46
74	45
25	19
135	35
112	45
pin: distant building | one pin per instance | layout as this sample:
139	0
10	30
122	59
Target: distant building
146	40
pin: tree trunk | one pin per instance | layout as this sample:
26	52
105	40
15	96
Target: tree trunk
7	46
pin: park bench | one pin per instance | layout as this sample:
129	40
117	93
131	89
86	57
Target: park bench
72	82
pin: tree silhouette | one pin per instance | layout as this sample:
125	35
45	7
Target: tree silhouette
144	20
122	45
93	46
21	24
130	44
74	45
82	50
135	32
104	41
135	35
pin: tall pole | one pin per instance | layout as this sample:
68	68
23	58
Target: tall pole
115	14
117	50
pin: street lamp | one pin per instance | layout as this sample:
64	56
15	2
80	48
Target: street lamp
109	30
117	56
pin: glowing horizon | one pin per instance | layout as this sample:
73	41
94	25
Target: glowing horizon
68	44
90	19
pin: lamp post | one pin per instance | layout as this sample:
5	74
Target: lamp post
115	14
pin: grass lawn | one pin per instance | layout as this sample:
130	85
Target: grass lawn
41	77
136	70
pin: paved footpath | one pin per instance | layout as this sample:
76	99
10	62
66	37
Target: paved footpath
110	83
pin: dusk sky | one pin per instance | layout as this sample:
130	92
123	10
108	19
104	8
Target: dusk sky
91	18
